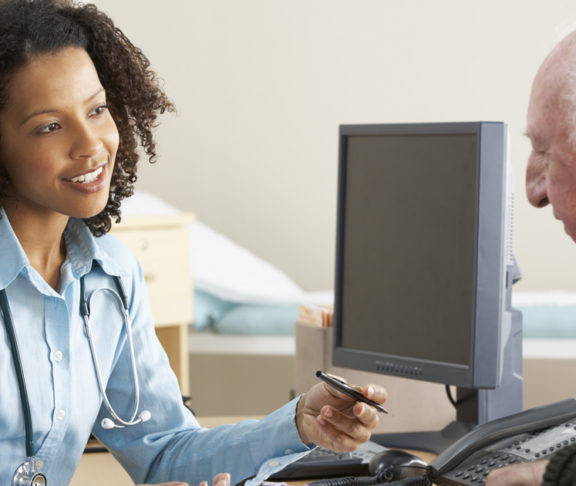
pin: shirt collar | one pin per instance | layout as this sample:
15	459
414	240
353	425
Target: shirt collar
82	249
13	259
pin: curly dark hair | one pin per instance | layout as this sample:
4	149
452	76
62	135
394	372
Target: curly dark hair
29	28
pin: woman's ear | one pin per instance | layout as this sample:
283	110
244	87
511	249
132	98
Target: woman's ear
4	180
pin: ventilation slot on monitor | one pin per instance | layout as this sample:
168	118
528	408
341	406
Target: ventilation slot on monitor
398	369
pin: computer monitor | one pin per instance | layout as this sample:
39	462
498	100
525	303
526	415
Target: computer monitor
424	265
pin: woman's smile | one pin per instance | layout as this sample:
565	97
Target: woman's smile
87	177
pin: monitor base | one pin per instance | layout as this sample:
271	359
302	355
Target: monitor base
434	441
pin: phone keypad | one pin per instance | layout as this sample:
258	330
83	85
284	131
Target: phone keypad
477	473
525	448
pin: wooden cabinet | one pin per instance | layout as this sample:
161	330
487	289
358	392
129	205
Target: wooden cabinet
162	245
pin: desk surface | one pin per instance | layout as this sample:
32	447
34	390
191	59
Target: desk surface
97	468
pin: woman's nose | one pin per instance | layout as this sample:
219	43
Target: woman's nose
85	143
536	181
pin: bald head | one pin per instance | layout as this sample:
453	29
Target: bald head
555	82
561	52
551	127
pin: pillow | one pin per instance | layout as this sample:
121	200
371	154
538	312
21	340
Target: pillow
208	309
221	267
230	272
144	203
258	319
547	315
549	322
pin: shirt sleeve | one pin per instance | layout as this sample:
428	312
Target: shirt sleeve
562	467
248	450
172	446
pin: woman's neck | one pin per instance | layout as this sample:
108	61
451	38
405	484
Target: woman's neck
42	239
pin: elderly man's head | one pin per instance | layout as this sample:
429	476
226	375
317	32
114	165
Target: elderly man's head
551	127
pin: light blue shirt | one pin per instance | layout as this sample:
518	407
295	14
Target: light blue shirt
66	405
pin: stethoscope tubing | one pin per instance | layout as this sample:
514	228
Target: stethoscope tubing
19	373
85	311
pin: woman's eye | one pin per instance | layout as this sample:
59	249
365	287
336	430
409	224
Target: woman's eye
100	109
50	127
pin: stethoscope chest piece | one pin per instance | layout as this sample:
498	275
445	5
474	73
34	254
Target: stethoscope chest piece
26	475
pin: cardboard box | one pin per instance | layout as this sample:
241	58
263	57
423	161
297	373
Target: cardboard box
413	405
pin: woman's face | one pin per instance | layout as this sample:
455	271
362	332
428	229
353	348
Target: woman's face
58	141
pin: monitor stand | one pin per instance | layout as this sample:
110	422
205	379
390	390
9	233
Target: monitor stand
434	441
473	406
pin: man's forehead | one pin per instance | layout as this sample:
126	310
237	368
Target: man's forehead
548	96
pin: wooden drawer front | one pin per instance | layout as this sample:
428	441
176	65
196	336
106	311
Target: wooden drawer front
164	254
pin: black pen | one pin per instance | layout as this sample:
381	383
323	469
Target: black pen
348	390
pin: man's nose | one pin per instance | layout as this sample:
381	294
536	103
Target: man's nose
536	181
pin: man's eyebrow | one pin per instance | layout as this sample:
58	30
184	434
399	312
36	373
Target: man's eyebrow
44	111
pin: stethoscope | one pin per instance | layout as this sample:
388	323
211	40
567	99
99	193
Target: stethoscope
27	474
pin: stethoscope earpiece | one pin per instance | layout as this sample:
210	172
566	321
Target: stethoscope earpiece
108	423
145	416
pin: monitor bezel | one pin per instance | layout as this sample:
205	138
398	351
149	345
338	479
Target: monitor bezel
486	343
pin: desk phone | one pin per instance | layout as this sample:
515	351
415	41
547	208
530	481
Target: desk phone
530	435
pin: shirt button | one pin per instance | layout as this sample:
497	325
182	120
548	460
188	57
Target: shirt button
57	356
39	463
273	463
61	414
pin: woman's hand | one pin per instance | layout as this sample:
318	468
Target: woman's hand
335	421
221	479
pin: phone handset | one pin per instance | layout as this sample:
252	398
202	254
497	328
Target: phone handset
498	430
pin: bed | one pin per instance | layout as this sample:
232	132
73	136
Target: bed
549	345
242	338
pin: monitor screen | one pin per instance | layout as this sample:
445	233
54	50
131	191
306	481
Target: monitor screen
422	288
419	222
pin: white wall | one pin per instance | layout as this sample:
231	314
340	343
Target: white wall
262	85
